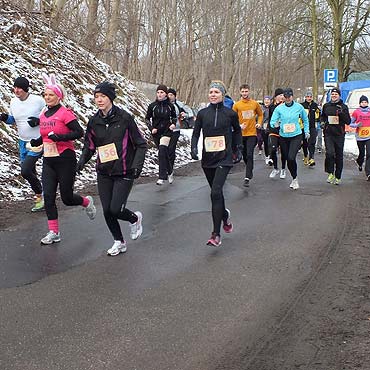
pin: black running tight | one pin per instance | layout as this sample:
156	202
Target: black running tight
216	178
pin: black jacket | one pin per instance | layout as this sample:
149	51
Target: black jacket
313	113
217	120
335	109
161	115
119	128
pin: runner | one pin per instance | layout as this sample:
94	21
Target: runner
334	117
264	129
247	110
287	116
121	153
183	112
161	120
58	128
274	137
361	121
221	137
313	113
25	109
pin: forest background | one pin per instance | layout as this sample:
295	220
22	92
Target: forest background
186	43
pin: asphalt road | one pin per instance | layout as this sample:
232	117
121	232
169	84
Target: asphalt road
170	302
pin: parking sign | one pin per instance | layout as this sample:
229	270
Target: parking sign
330	75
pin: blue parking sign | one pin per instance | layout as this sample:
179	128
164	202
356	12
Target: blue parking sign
330	75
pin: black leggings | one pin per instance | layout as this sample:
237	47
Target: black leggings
172	147
216	178
28	172
59	170
274	143
289	147
165	167
113	193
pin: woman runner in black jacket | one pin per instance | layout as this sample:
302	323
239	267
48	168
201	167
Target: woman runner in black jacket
221	138
113	133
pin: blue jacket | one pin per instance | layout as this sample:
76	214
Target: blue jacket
228	102
288	118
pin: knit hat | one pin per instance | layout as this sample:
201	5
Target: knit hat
309	93
163	88
364	98
218	85
278	91
22	83
106	88
335	89
171	90
288	92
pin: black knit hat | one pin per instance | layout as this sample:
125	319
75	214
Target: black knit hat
278	91
172	91
364	98
163	88
22	83
106	88
335	90
288	92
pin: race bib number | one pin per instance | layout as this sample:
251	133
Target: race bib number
248	114
215	143
288	128
50	150
364	132
107	153
333	120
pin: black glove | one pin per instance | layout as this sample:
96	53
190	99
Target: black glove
36	142
194	154
4	117
80	166
237	156
54	137
33	121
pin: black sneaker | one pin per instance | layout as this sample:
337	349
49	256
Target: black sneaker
246	182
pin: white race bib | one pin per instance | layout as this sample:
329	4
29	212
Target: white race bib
288	128
50	150
107	153
333	120
214	143
248	114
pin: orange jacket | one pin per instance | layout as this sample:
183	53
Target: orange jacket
247	110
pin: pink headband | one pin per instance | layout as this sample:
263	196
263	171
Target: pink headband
56	90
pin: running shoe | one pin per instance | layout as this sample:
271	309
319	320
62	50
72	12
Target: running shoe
311	162
90	209
337	181
319	151
274	173
359	166
283	173
170	178
137	227
305	161
267	161
214	240
50	238
246	182
117	248
227	225
39	205
160	182
294	184
260	152
330	178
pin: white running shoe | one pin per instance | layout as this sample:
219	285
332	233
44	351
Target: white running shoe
294	184
90	209
274	173
283	173
137	227
117	248
170	178
267	161
160	182
50	238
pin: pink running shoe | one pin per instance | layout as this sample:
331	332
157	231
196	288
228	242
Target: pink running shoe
214	240
227	225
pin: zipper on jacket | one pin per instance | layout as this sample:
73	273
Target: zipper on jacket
216	117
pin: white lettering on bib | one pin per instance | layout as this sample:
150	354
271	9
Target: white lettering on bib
50	150
214	143
107	153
